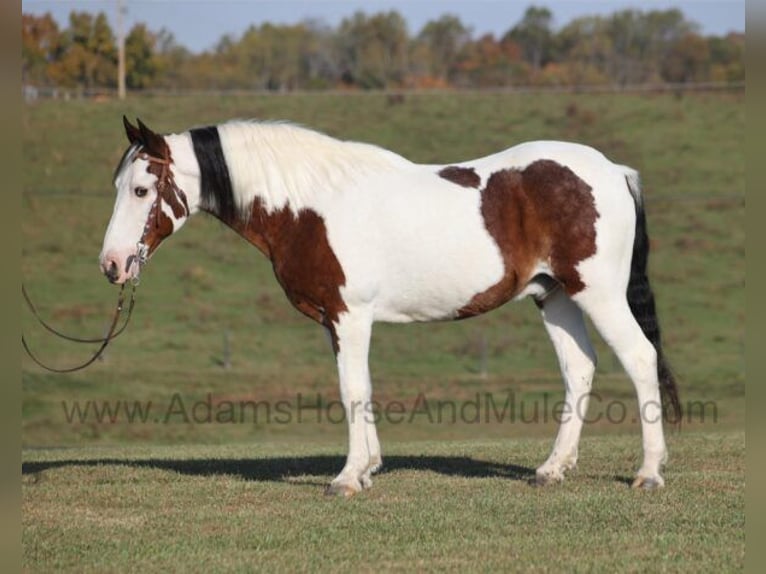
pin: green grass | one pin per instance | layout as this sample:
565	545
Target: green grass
237	511
463	505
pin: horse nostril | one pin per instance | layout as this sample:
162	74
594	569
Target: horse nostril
112	273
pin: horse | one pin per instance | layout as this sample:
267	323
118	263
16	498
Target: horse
358	234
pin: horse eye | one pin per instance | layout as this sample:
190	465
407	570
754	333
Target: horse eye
140	191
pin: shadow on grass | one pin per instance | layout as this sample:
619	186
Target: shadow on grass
283	468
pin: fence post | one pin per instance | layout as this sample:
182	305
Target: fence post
226	350
483	355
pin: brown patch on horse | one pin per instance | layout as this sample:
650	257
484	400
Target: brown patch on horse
304	263
541	213
159	227
167	190
465	176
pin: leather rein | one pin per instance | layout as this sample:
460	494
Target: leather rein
112	333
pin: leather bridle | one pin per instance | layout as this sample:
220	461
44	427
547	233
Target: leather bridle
165	184
143	251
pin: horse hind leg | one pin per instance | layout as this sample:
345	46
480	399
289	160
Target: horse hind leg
375	457
611	314
566	328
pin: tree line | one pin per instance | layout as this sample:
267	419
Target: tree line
377	51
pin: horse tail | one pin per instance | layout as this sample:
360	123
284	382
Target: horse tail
641	301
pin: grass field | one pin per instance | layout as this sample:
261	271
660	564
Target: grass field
196	492
458	505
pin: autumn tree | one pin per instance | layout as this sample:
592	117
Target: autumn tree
141	64
727	58
321	66
372	50
275	57
438	46
584	49
535	36
487	62
173	63
641	41
687	60
375	51
41	45
89	55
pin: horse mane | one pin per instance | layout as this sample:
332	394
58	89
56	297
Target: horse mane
284	164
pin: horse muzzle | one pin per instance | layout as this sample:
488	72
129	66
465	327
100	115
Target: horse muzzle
113	270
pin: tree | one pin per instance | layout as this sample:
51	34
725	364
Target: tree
441	42
727	57
140	59
321	66
489	63
40	46
666	30
172	62
273	57
688	60
534	35
629	47
641	41
89	54
372	51
584	50
375	51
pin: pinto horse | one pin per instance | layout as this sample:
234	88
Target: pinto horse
358	234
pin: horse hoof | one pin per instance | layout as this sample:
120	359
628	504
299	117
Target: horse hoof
375	466
648	482
366	481
341	490
548	478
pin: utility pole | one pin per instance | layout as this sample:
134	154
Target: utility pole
120	50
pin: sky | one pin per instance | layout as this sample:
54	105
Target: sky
199	24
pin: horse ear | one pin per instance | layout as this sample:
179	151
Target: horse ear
154	144
133	133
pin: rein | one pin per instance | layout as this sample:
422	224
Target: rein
112	333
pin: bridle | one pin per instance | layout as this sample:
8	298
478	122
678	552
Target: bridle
164	180
165	183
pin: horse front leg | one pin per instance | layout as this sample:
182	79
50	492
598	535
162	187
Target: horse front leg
352	332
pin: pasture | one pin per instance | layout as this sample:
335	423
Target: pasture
207	474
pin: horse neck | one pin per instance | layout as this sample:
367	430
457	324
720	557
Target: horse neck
259	178
287	166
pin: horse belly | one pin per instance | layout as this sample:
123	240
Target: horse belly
437	283
416	257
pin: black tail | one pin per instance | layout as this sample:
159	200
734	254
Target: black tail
641	301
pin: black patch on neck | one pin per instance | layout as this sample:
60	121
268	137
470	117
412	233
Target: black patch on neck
216	193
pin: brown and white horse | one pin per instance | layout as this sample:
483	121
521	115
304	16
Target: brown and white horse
357	234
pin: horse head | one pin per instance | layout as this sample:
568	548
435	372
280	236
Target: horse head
150	203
